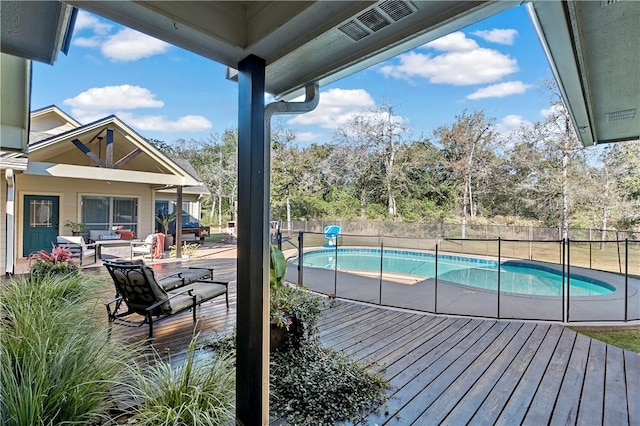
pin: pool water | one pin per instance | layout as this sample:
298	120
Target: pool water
515	277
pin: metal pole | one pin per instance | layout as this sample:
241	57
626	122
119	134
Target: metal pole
300	257
381	257
335	272
435	301
279	238
568	278
563	260
499	253
590	251
626	278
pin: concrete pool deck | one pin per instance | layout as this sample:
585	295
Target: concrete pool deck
458	299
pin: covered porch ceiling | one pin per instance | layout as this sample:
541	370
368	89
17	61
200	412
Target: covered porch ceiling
593	46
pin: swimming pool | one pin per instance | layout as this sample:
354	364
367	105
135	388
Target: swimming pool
515	277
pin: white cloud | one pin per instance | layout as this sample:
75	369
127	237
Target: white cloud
500	90
88	41
336	107
454	42
85	20
553	110
100	101
130	45
498	35
160	123
124	45
307	136
510	123
463	63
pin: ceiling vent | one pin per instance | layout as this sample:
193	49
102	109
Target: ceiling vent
605	3
626	114
378	17
374	20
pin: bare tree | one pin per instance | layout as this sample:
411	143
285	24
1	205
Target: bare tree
467	145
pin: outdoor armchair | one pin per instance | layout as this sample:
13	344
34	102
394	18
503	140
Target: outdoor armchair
78	248
140	293
153	246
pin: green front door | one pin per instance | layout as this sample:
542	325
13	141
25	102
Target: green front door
41	219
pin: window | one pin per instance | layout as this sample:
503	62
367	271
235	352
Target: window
102	213
41	214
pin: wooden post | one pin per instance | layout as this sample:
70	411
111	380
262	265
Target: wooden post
178	241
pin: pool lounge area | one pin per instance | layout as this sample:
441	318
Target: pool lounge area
467	285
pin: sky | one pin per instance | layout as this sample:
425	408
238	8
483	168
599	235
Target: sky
167	93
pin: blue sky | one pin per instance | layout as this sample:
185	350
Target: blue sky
167	93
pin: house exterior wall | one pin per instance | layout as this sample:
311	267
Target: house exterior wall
70	192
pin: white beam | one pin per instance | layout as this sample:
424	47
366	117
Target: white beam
97	173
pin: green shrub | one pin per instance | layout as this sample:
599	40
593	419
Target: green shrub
314	385
57	365
196	393
320	386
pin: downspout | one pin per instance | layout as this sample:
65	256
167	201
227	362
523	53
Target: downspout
10	222
312	97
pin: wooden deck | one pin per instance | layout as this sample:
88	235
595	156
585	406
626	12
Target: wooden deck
447	370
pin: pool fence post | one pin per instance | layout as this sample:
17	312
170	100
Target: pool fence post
618	245
499	248
335	272
563	260
568	278
279	238
435	300
381	255
590	250
300	254
626	278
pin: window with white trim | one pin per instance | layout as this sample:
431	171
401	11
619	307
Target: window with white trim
109	213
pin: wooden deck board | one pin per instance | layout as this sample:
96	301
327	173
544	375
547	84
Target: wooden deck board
461	409
592	399
460	359
520	400
416	376
541	407
566	408
491	408
632	373
447	370
615	396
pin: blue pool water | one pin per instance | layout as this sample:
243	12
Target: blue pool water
515	277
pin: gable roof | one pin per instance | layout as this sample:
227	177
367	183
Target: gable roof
93	129
50	121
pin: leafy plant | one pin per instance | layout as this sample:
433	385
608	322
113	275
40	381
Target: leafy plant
196	393
188	249
321	386
316	385
74	226
164	221
291	307
59	261
57	364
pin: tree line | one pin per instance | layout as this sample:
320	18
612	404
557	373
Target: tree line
374	169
